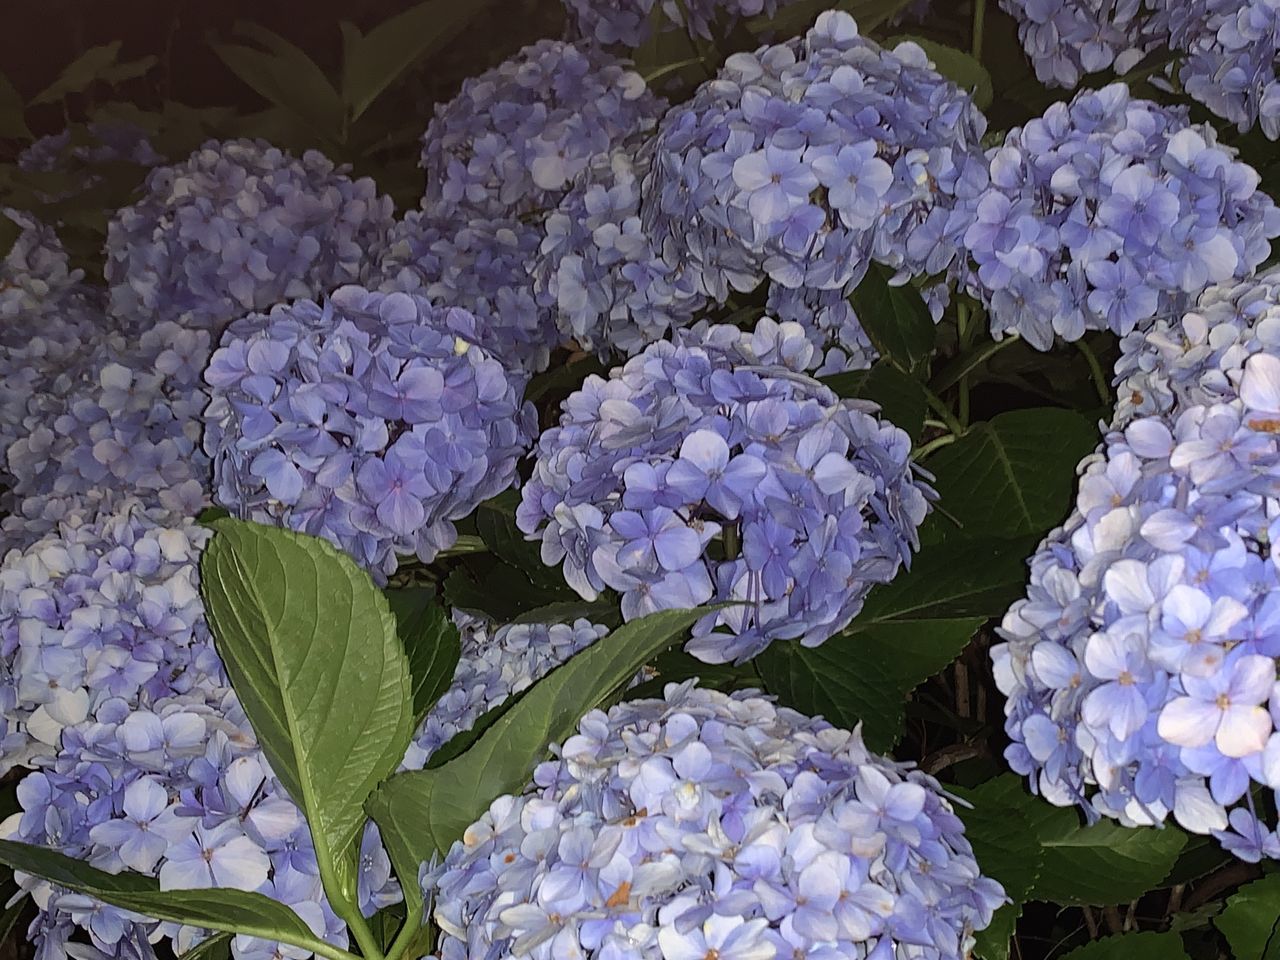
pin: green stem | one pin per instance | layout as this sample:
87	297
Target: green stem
979	15
922	451
1095	370
343	901
966	363
943	411
670	68
410	931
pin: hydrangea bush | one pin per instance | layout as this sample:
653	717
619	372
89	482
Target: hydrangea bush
621	552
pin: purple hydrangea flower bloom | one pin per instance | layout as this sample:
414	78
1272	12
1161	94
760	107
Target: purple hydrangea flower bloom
713	438
613	847
371	419
1106	212
1141	666
239	227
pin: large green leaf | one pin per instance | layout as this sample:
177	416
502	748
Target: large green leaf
80	73
235	911
373	62
896	319
1251	920
217	947
1100	864
287	77
496	524
310	646
864	675
1010	476
430	642
424	811
1139	945
13	121
902	399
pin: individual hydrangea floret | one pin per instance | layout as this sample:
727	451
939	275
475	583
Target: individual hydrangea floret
371	419
806	161
237	227
514	137
1141	667
707	825
123	423
709	468
1109	211
482	266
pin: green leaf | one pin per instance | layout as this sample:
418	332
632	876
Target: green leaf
223	909
902	399
896	319
603	611
864	675
13	121
287	77
430	642
9	233
1010	476
1251	920
496	524
119	73
426	810
375	61
217	947
992	942
1100	864
80	73
957	66
1139	945
310	646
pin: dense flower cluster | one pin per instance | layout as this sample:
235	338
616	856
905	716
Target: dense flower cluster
708	825
805	161
371	419
1108	211
1141	668
237	227
1226	49
514	137
482	266
80	155
144	760
597	272
124	422
51	326
706	468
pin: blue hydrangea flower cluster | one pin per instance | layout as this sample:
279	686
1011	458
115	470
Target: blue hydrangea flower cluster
1108	211
110	687
706	469
125	423
51	327
514	137
107	144
805	161
371	419
1227	49
711	825
237	227
482	266
1141	667
597	272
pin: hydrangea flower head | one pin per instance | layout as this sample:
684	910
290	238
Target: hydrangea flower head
805	161
371	419
712	825
237	227
709	468
482	266
1141	667
514	137
1108	211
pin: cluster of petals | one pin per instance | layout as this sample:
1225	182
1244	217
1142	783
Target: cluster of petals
1225	51
122	421
483	266
706	825
804	162
514	137
143	759
1108	211
371	419
1141	667
79	155
710	468
239	226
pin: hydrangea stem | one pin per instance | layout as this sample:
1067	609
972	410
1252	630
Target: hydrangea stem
979	16
1095	370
